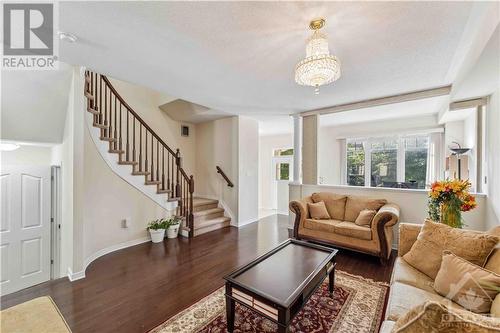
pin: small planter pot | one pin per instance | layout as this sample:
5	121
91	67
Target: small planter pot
157	236
173	231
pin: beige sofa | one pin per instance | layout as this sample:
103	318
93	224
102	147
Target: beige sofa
410	287
341	230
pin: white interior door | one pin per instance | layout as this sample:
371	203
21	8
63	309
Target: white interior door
283	173
25	227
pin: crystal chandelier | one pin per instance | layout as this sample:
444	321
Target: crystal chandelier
318	67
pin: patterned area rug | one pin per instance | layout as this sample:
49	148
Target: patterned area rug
357	306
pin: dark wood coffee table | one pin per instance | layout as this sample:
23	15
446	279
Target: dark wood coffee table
278	284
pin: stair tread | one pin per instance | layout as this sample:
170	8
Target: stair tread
206	223
208	211
203	202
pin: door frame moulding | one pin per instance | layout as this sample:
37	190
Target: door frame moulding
393	99
55	219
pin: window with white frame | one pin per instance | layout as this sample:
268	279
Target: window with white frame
397	162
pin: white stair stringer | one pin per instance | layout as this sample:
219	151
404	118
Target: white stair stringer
125	171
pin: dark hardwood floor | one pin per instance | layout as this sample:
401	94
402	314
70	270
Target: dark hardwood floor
136	289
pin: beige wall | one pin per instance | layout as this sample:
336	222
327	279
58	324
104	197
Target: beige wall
310	127
108	200
267	145
248	170
493	160
146	103
217	144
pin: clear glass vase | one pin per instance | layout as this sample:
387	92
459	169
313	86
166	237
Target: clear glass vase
451	214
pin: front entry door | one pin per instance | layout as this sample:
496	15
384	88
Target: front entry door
24	227
283	174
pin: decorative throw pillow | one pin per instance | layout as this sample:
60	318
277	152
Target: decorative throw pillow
335	203
436	317
469	285
493	263
355	204
365	217
427	251
318	211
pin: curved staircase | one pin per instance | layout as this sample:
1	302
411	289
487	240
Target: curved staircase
138	146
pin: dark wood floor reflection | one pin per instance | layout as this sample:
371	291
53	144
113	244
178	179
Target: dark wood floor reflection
137	288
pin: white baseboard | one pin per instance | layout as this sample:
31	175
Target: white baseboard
81	274
241	224
75	276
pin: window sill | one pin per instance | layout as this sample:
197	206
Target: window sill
380	189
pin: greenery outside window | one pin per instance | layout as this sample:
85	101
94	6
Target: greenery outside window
396	162
355	163
283	152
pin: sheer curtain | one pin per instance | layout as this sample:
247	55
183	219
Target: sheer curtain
435	158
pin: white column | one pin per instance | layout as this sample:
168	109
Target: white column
297	149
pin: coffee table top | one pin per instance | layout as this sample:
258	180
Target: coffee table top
281	274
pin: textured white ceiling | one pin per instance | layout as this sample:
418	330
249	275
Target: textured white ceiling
239	57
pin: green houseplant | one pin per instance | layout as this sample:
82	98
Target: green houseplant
173	226
157	229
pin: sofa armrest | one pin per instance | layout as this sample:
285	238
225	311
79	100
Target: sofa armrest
408	233
386	217
299	208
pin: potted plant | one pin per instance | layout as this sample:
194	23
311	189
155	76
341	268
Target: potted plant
174	224
156	229
448	199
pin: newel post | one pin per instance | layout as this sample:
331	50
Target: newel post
190	207
177	181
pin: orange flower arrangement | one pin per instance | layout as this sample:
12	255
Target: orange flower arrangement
448	198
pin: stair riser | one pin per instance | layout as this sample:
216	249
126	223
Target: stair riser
205	207
208	217
212	228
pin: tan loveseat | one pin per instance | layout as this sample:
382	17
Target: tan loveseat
340	230
410	287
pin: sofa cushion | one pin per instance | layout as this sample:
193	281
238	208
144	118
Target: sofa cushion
321	225
354	205
407	274
437	237
318	211
437	317
493	263
351	229
335	203
403	298
466	283
365	217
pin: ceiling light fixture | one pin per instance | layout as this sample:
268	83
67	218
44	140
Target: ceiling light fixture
4	146
67	36
318	67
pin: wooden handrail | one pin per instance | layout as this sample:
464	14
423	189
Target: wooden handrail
129	108
219	170
138	145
